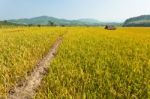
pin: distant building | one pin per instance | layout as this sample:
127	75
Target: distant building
110	27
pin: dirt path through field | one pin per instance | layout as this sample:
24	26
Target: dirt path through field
27	89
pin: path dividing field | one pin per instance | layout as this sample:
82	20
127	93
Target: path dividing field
27	89
90	63
94	63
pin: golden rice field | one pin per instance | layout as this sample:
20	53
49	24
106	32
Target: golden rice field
91	63
20	49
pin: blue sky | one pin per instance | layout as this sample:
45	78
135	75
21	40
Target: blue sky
103	10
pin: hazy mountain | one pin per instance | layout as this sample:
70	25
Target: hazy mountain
44	20
88	20
143	20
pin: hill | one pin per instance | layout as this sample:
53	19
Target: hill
46	20
143	20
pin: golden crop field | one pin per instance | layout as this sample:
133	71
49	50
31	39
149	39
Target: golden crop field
20	49
91	63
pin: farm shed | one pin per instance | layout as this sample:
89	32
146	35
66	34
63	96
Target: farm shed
110	27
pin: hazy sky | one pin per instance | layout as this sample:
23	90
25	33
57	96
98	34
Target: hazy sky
103	10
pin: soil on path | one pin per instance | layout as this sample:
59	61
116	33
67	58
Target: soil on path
27	89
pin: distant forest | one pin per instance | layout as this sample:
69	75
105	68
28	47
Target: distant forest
140	21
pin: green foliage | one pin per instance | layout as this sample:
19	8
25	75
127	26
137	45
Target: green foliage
138	21
51	23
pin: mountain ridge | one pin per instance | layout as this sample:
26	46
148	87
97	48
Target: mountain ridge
44	20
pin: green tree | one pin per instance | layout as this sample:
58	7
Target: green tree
51	23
